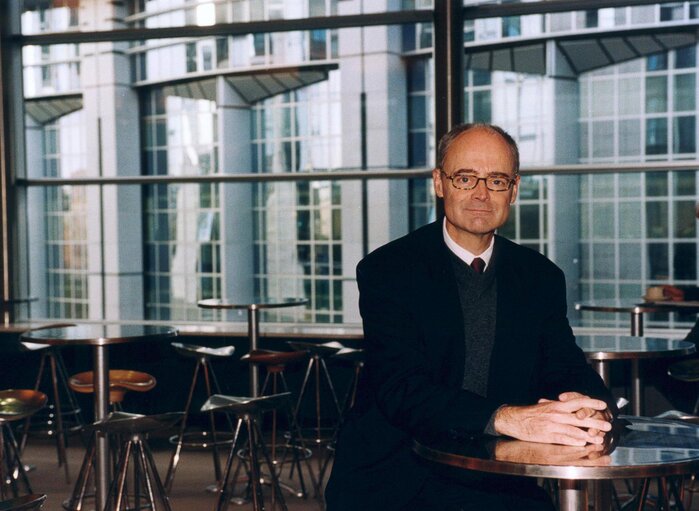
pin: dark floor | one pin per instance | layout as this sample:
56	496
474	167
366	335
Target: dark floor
195	472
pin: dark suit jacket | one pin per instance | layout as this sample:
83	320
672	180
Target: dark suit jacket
414	341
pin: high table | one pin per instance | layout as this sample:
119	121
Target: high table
601	349
253	307
99	336
641	448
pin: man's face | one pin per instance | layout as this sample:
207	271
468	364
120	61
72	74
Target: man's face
473	215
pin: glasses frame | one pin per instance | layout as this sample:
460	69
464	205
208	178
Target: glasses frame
510	181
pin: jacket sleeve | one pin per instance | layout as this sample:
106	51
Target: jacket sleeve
407	386
564	366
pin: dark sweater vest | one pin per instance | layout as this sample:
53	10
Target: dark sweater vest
478	296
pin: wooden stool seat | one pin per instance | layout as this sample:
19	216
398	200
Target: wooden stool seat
120	382
274	361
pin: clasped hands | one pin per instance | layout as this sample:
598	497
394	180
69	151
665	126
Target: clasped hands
574	419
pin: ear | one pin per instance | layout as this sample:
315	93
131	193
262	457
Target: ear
437	183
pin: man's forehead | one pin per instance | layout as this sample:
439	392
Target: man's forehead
480	149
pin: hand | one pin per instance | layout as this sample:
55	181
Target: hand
583	413
547	454
673	293
555	422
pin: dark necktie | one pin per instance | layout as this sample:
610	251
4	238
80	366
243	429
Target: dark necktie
478	265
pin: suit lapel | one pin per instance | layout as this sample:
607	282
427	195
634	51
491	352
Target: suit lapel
505	362
442	312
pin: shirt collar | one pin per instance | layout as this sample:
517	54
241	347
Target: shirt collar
463	254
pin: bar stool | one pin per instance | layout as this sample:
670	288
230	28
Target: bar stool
120	382
23	503
319	434
132	430
275	362
15	405
204	439
248	411
687	371
355	357
52	423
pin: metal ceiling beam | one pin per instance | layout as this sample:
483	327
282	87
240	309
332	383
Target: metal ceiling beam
227	29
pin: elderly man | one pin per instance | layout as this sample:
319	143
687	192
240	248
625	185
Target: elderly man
466	334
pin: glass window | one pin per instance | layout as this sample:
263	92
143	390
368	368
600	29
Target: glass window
656	94
686	57
684	135
656	136
685	92
656	220
630	257
630	137
658	264
685	221
603	139
684	262
629	96
656	62
629	224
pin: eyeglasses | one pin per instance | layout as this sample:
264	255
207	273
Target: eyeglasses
465	181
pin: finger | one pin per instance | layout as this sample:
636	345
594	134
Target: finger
544	400
567	396
577	436
584	402
586	423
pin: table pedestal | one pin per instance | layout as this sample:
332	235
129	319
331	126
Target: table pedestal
101	401
572	495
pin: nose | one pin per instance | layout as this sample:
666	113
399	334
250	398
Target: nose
480	191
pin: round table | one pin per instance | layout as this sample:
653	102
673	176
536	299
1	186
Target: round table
601	349
99	336
642	448
253	307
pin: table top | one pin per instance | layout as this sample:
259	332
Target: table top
217	303
98	334
618	347
636	306
642	447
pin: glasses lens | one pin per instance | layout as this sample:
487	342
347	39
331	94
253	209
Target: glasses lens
498	184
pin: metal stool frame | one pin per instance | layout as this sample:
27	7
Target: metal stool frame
204	364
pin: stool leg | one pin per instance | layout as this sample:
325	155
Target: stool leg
212	422
69	393
76	499
304	385
28	420
331	386
149	466
15	463
257	504
175	459
277	495
60	435
222	501
116	493
3	461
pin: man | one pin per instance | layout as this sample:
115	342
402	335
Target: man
451	351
